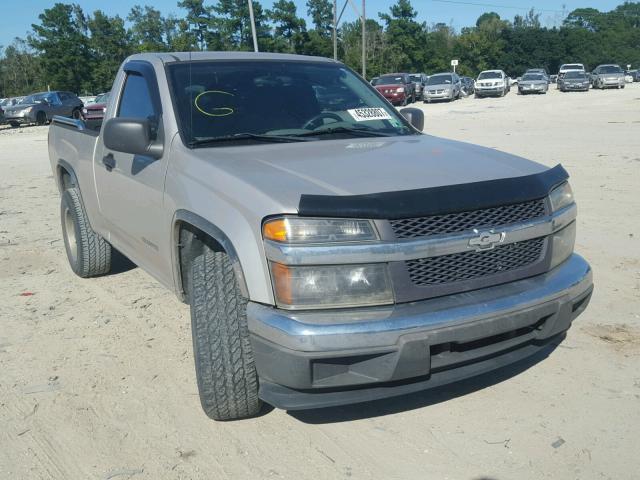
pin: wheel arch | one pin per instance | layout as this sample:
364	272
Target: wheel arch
65	176
190	234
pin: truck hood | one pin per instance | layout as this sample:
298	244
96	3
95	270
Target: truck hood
283	172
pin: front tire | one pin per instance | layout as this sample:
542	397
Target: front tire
41	118
88	253
225	369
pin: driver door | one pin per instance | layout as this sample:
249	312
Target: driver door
131	187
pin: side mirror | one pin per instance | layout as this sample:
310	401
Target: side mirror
131	135
415	116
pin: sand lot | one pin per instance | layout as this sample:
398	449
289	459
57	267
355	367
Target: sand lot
97	378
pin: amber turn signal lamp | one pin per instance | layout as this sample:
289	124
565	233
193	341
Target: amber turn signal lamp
275	230
281	275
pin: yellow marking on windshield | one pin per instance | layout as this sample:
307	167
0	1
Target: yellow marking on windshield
217	111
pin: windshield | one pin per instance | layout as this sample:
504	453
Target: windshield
416	78
532	76
295	100
572	66
576	74
610	69
390	80
439	79
102	98
38	97
485	75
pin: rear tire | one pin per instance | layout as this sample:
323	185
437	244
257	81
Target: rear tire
89	254
225	369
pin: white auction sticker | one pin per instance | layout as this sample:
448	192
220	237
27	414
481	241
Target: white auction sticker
364	114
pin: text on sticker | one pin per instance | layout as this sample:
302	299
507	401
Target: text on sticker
363	114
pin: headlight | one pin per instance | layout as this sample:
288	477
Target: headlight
26	111
561	197
331	286
318	230
400	89
84	110
562	244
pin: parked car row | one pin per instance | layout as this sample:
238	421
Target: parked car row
39	108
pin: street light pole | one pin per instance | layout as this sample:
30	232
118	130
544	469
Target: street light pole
253	26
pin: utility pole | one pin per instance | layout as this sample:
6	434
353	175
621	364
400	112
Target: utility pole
364	43
335	29
253	26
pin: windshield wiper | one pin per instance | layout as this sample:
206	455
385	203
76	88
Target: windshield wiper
354	131
244	136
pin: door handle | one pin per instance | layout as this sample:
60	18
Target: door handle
109	162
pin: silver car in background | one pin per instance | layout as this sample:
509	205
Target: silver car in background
608	76
442	86
533	83
39	108
574	81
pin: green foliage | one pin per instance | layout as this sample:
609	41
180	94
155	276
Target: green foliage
70	50
20	70
62	39
109	42
289	31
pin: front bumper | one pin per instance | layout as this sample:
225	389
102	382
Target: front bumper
438	95
575	86
21	119
612	83
395	97
489	90
529	89
333	357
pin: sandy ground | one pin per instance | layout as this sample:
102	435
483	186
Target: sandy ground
97	378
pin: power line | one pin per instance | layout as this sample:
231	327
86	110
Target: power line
493	5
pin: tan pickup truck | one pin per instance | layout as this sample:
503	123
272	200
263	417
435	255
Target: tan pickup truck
331	252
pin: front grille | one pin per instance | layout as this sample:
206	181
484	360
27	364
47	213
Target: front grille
465	221
473	265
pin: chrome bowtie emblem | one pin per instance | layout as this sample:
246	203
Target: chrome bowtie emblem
486	240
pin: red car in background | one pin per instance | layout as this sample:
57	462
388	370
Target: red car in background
398	88
93	113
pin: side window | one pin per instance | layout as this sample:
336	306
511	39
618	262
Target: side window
53	98
136	99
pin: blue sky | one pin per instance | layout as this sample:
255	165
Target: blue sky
17	21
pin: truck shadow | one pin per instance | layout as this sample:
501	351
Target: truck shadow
120	263
412	401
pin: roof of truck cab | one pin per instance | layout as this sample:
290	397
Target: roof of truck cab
170	57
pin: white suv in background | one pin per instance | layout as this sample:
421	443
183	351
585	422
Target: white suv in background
493	83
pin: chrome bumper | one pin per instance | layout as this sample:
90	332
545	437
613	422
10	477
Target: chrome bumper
326	358
318	359
326	330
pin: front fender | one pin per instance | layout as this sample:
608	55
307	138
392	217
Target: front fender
185	216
